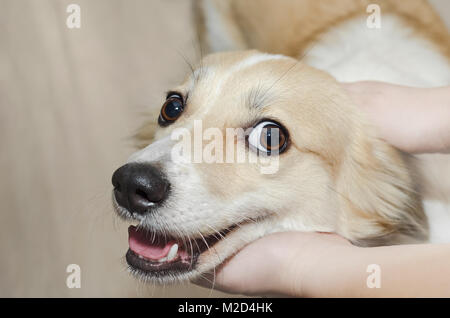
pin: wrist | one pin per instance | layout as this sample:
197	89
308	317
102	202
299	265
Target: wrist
310	270
332	274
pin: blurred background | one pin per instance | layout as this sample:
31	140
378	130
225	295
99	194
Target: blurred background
70	100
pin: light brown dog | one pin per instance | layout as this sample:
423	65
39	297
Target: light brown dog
333	174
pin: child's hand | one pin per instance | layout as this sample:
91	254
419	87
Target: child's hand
415	120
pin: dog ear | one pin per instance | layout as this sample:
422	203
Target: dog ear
377	195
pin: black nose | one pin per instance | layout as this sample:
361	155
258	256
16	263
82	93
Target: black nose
138	187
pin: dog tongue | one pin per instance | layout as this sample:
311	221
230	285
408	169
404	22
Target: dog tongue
142	245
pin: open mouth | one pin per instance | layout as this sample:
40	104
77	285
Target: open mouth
159	255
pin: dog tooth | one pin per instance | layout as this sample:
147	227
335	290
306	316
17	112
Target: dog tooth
161	260
173	252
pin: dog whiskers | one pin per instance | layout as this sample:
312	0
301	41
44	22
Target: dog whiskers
215	252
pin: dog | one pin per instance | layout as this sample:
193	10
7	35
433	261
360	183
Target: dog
273	71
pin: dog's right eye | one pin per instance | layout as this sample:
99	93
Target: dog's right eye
171	110
268	137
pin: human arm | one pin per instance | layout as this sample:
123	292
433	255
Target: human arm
326	265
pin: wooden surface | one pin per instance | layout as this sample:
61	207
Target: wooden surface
69	100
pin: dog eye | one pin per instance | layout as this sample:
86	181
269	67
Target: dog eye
268	137
171	110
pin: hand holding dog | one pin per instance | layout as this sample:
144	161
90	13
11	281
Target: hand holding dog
415	120
326	265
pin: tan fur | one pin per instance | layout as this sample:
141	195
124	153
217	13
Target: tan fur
291	27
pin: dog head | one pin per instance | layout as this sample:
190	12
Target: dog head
250	144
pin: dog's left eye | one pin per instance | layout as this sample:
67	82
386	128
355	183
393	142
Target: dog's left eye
171	110
268	137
